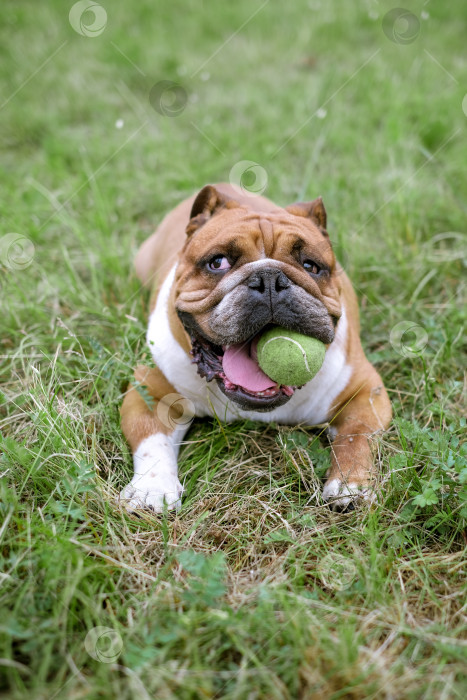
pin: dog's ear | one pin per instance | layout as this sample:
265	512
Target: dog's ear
311	210
208	202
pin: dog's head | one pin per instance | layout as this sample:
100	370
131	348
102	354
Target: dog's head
242	271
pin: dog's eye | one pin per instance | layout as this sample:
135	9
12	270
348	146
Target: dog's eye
311	266
219	263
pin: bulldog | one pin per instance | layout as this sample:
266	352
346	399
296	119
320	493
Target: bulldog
224	266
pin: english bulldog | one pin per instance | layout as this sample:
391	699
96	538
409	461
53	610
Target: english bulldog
224	266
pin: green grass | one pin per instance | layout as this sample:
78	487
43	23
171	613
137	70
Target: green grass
255	589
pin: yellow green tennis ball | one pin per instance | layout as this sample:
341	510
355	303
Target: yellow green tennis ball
288	357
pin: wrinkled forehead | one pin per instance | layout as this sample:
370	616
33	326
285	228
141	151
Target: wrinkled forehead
267	234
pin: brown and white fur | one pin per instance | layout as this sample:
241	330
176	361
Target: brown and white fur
347	392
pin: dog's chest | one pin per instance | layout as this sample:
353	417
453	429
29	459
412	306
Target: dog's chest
312	405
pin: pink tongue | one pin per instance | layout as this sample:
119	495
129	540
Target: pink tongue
242	369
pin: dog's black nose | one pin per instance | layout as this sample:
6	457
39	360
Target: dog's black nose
268	282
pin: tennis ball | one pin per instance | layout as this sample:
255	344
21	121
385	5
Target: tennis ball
288	357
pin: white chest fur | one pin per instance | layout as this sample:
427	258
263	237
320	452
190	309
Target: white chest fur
311	405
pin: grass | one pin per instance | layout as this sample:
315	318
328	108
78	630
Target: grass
255	589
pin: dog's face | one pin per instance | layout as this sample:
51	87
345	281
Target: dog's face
242	271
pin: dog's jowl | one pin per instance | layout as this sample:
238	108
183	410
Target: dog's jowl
224	267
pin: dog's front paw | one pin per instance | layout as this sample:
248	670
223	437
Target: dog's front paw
152	492
343	495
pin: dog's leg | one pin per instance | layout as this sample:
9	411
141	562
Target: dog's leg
154	421
350	475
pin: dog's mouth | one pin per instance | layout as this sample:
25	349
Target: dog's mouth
238	374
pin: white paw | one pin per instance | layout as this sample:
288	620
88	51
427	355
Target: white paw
340	494
155	483
153	492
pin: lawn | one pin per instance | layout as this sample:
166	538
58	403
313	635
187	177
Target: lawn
255	589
